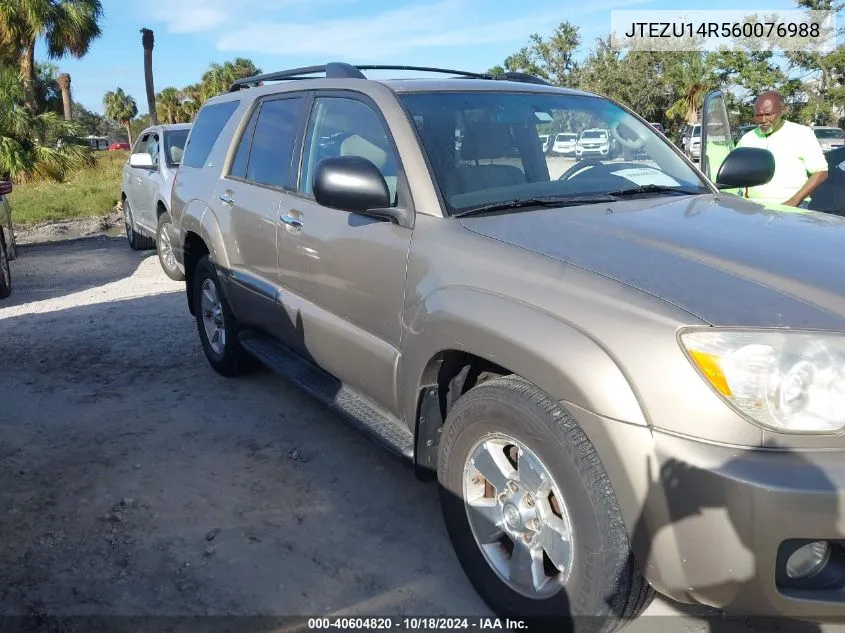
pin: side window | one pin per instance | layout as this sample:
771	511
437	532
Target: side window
141	144
210	122
273	142
239	162
153	149
347	127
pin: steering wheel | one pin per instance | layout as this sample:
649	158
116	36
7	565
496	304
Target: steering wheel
635	143
574	169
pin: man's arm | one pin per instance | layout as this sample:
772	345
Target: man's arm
816	165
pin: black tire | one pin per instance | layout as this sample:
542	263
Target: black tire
5	269
172	271
234	360
137	242
602	591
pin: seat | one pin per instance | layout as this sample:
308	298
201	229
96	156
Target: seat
176	154
359	146
487	141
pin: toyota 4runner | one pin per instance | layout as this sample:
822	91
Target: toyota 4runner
624	378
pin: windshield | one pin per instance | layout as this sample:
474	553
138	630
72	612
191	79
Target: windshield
174	146
500	159
830	133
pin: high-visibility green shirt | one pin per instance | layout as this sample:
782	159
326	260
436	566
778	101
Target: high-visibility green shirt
797	154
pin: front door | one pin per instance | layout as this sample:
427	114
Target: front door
716	138
343	273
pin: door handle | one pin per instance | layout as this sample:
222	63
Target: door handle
227	199
290	220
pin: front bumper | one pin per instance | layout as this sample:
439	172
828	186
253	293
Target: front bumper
707	522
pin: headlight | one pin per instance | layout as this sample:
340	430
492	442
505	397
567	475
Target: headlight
788	381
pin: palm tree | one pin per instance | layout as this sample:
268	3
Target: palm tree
64	85
169	106
148	41
122	108
58	149
68	26
219	77
692	80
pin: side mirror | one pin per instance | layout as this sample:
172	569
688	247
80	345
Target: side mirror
5	187
355	184
746	167
142	160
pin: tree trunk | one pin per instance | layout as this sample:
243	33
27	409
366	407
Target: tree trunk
27	73
148	41
64	84
128	125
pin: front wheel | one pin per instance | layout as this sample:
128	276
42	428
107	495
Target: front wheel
5	270
531	513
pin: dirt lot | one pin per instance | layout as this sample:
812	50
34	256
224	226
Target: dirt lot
135	481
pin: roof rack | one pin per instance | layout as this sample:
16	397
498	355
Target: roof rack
340	70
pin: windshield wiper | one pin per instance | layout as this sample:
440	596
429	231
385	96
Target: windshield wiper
655	189
526	203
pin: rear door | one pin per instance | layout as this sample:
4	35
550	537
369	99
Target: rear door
250	195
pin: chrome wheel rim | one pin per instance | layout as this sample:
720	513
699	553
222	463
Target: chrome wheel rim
166	248
517	516
212	317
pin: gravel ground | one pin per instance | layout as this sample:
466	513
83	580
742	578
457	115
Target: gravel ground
136	481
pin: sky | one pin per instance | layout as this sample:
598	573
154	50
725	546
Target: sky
277	34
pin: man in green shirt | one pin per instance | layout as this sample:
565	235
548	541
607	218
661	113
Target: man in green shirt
800	165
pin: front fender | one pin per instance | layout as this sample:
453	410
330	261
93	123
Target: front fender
560	359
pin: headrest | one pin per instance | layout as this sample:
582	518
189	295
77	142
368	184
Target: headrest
359	146
176	154
486	140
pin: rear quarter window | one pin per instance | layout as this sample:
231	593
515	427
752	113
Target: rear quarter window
210	122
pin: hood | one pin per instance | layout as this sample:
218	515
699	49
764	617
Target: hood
728	261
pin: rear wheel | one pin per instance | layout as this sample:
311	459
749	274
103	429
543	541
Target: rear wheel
5	270
531	513
164	247
217	326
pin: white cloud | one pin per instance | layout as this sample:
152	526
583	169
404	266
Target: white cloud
199	16
385	34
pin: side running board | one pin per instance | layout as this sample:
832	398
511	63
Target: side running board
377	424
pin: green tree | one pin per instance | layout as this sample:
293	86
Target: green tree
169	106
551	58
692	76
122	108
68	27
220	77
35	145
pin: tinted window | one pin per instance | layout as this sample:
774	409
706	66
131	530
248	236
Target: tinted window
174	144
273	141
210	122
348	127
239	163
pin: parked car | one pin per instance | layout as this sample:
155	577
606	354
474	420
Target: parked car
614	392
594	142
145	192
830	196
741	131
7	240
115	147
829	137
659	127
565	144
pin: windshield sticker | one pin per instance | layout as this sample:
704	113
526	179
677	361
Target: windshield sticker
544	116
646	176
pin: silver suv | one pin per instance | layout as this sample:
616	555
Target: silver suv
623	378
145	191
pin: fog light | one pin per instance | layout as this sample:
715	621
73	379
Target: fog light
808	560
